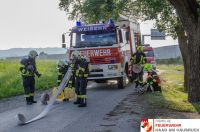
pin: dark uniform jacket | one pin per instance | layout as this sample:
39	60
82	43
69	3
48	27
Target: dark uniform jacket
83	69
61	73
28	67
138	58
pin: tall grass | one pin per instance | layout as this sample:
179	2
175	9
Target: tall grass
11	81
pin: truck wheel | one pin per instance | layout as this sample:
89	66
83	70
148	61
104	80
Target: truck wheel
120	83
101	81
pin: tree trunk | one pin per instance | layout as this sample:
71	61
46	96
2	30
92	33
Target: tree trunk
194	64
183	45
187	13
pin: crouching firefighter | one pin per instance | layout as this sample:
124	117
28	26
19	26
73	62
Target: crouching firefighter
28	71
138	59
153	80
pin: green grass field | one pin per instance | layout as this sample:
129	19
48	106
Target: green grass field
173	96
11	82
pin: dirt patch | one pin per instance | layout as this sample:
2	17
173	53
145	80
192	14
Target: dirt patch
127	114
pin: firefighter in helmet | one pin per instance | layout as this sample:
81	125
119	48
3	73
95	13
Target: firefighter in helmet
153	80
62	70
75	60
28	71
138	58
81	72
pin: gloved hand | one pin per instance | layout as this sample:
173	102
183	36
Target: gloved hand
21	68
38	74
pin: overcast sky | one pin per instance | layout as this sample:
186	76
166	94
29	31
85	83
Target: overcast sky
33	23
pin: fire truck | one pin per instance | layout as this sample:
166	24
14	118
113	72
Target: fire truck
148	50
109	46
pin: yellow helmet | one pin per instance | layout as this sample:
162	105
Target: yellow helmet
32	54
140	48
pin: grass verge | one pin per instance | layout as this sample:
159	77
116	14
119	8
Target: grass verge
173	96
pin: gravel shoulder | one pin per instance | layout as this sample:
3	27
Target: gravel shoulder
127	114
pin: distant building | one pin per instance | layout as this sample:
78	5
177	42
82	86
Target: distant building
167	52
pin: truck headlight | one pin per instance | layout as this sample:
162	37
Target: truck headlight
112	67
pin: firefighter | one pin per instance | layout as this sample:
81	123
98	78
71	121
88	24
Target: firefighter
82	74
62	70
28	71
75	59
153	79
138	58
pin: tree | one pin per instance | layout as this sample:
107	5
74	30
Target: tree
168	21
188	12
90	11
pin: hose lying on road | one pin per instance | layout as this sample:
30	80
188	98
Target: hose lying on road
22	118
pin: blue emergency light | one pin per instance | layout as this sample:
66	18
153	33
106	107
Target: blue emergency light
78	23
110	22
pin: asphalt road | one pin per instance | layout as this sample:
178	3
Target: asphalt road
67	117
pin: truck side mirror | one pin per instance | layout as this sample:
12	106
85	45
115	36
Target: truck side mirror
127	35
63	38
63	41
63	45
120	36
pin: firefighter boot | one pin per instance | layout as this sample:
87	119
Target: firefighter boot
32	99
28	101
78	101
83	103
65	100
136	84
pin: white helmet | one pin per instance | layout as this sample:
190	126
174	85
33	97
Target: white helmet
75	54
32	54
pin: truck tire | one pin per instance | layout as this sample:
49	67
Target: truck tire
120	83
101	81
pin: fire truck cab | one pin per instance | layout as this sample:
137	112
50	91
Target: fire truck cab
109	47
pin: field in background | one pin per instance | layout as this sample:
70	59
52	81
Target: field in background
10	79
170	61
173	96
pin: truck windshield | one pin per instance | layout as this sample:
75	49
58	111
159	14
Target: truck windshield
80	40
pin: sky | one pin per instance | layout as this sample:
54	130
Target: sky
32	23
37	23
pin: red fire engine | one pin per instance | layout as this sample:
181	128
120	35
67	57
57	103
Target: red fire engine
109	47
148	50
